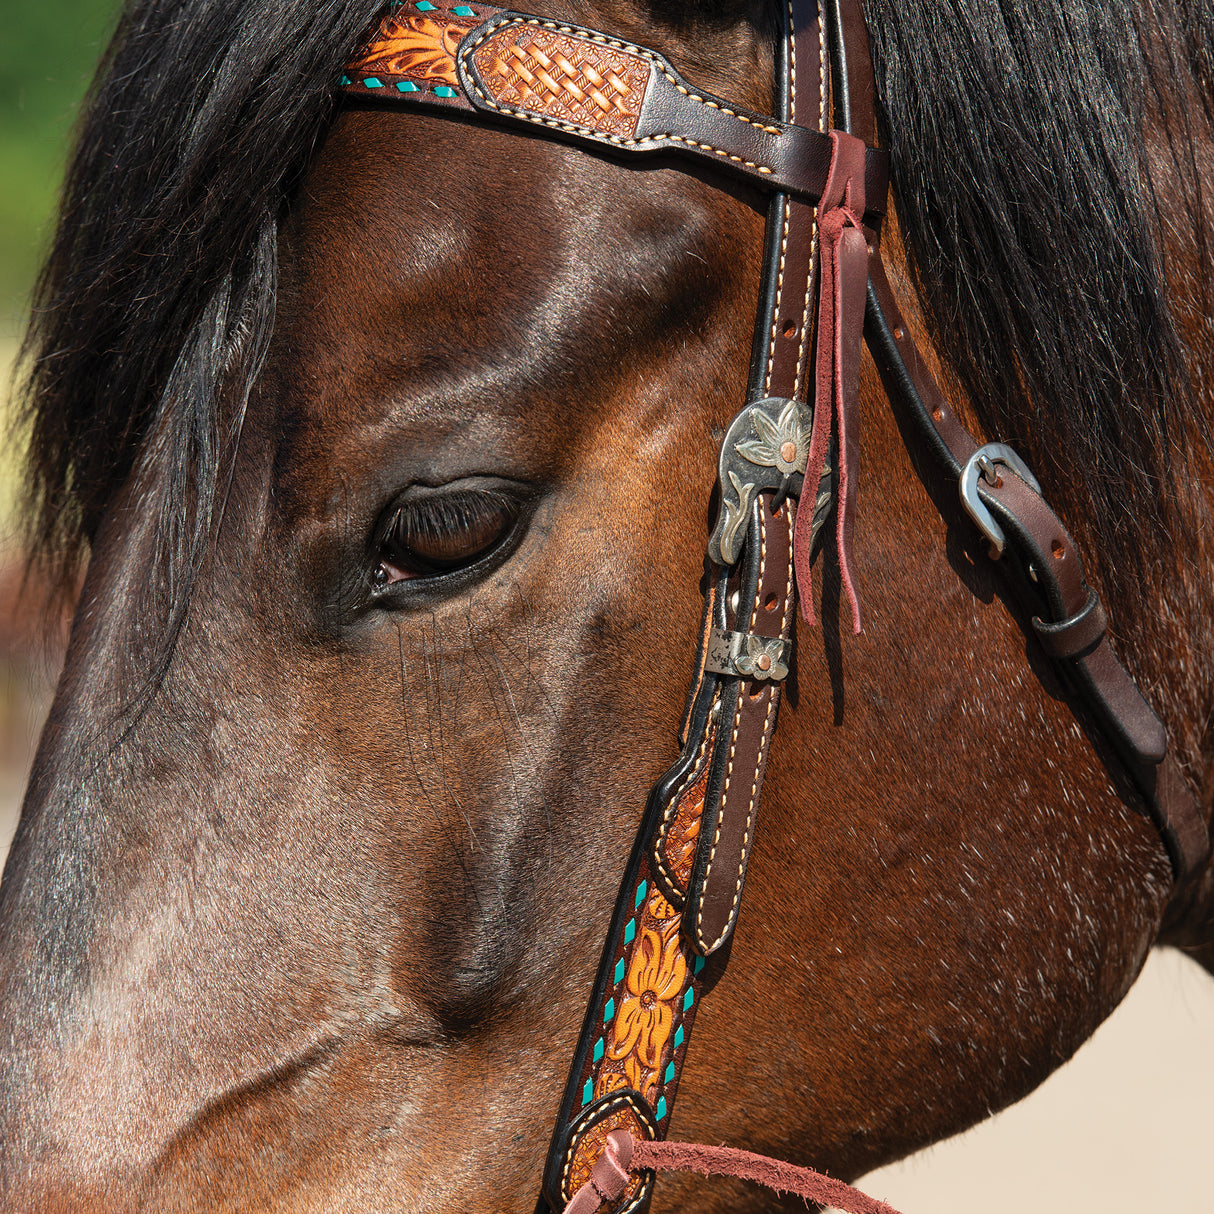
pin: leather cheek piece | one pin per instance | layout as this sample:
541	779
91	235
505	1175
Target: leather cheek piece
727	827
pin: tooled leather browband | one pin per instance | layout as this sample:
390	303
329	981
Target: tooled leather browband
683	882
586	86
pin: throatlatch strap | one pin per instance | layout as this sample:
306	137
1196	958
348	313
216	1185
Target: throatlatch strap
1048	576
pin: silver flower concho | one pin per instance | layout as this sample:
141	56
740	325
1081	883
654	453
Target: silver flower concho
763	439
781	444
763	659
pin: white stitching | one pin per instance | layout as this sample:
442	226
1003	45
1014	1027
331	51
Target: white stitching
792	69
803	348
714	105
767	724
733	746
573	128
775	312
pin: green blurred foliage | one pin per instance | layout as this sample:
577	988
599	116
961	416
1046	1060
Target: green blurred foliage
48	52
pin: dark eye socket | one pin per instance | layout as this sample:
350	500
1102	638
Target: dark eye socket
433	531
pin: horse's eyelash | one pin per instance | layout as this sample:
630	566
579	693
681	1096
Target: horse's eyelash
440	516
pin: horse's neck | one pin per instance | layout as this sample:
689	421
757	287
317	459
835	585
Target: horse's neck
1163	626
1186	667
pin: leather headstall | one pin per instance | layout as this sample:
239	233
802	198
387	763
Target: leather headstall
823	286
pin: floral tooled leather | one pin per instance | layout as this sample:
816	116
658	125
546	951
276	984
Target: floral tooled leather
653	987
675	849
415	46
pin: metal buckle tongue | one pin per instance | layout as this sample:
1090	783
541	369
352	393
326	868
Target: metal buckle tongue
982	464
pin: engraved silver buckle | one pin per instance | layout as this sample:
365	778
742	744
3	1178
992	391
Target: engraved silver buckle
747	655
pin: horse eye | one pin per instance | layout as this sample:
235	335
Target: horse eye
439	531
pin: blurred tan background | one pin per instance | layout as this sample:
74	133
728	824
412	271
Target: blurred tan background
1125	1127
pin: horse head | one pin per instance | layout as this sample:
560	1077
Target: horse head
392	440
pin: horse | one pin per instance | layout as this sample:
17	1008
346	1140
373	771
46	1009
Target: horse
386	444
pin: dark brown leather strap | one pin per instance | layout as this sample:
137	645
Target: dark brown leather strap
746	720
587	87
1077	634
1067	617
748	709
682	889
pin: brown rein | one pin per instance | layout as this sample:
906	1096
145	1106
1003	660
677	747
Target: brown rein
624	1157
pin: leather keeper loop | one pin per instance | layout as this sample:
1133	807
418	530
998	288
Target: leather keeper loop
1076	635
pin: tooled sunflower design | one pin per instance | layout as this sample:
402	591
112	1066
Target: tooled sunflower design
655	979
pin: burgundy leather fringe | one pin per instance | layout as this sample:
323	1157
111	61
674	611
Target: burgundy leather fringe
842	291
624	1155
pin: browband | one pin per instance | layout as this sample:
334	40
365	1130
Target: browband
589	88
823	284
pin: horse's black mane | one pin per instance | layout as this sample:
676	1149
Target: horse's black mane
1018	166
160	285
1017	135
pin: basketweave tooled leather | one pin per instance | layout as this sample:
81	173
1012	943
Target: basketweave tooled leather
532	67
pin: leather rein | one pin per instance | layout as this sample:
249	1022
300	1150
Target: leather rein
823	286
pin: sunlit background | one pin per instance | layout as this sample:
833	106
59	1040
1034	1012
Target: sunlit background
1123	1128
